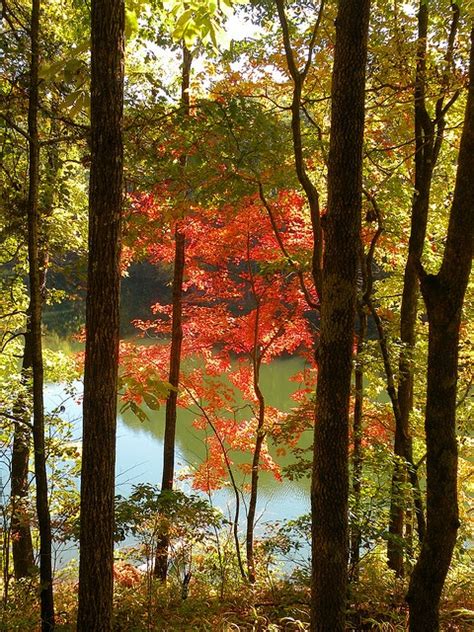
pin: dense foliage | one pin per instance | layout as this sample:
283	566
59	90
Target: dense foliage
227	134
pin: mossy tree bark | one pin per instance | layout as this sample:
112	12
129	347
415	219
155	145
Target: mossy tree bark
330	479
102	318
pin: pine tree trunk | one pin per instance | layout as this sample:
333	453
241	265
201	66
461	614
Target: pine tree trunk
102	319
443	294
35	314
330	480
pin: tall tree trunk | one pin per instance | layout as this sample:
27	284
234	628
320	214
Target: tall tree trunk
161	558
424	136
364	302
22	545
428	140
102	318
443	294
330	477
357	455
42	507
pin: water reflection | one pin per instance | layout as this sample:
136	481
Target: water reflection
139	447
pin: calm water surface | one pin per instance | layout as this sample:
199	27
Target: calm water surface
139	448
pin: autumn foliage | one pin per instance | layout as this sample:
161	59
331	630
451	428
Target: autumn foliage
243	306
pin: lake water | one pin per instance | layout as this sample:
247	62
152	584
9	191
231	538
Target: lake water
140	445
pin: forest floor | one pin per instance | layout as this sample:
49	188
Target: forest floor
143	606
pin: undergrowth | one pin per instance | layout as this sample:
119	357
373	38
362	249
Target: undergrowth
142	604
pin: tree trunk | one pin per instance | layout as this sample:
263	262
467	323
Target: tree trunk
161	558
259	439
424	164
298	77
22	545
357	455
428	141
330	479
102	318
35	314
249	538
443	294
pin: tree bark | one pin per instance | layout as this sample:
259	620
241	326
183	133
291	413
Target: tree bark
299	77
22	545
443	294
161	558
357	455
259	439
428	141
424	164
102	318
35	314
364	301
330	478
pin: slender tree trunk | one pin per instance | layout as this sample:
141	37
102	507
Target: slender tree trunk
299	77
366	265
42	507
357	455
235	525
161	558
22	545
175	361
249	539
330	479
424	164
260	431
102	318
161	562
443	294
259	439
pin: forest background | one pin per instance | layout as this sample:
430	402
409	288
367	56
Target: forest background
226	219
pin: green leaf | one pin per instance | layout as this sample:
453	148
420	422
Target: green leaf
131	24
151	401
182	21
139	412
79	105
135	409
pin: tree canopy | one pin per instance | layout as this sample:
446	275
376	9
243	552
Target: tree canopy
257	183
